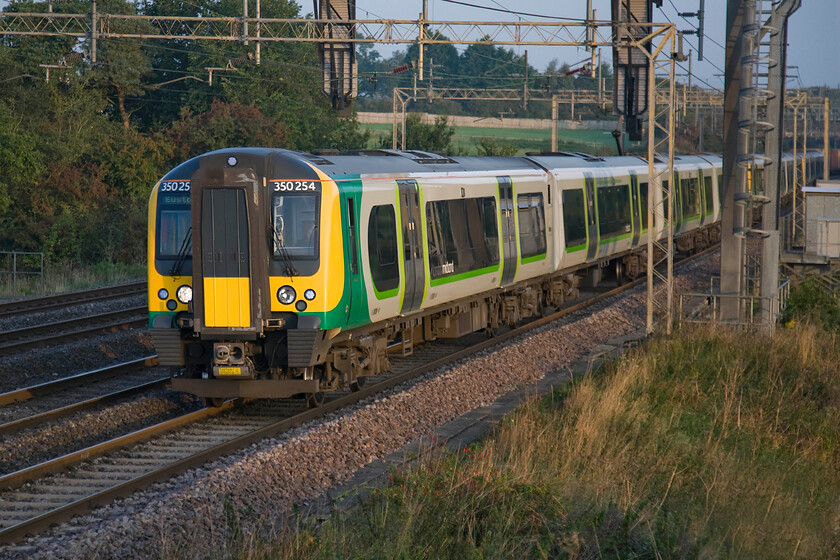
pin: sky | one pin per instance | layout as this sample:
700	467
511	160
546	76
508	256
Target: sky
813	32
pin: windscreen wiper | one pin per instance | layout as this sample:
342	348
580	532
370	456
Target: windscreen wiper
284	253
186	247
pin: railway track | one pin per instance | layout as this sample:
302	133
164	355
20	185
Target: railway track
46	402
71	329
30	501
58	301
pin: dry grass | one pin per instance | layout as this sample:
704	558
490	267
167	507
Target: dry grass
710	445
61	278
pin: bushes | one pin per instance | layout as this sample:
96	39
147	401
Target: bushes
83	151
426	137
814	301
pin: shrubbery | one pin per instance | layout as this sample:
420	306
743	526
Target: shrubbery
813	301
81	153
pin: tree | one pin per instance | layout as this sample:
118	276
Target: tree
121	63
445	57
224	125
426	137
490	146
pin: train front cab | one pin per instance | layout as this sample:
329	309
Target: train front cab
170	261
262	249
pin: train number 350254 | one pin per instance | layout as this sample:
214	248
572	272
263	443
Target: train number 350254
286	186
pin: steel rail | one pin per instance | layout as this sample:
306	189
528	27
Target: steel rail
42	389
27	332
57	301
71	329
18	478
107	495
64	411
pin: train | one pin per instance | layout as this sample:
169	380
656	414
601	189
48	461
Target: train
275	273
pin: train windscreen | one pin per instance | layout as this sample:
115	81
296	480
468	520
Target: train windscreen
295	222
173	226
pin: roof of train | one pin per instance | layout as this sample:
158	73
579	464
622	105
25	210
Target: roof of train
394	161
411	161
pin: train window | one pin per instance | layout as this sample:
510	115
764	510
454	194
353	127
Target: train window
531	224
643	202
613	211
295	222
574	218
462	235
491	226
382	248
173	225
707	191
689	197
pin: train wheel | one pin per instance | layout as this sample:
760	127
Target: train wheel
357	385
314	400
619	272
213	402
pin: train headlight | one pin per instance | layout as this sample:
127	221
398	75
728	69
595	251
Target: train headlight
286	295
184	294
309	294
163	293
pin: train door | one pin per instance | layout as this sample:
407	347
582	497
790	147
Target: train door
635	209
227	289
701	194
678	205
592	221
351	250
507	204
415	274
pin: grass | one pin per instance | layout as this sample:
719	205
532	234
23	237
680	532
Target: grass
712	444
467	139
58	278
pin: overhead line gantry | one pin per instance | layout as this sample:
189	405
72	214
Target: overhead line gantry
658	41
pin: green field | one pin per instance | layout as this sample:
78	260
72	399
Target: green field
466	139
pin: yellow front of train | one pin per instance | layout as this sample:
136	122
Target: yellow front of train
169	261
243	276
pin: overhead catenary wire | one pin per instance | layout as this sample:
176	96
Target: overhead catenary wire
528	14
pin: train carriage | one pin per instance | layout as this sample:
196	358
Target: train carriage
275	273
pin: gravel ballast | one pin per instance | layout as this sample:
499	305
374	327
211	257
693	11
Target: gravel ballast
190	514
40	365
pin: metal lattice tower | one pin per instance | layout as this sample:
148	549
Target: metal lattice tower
660	252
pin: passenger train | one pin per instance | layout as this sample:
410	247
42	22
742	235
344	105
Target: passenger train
274	273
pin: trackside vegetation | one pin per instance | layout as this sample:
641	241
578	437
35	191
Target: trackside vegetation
714	443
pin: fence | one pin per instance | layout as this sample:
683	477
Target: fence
707	308
17	263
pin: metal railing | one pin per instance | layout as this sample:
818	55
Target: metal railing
706	307
20	263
